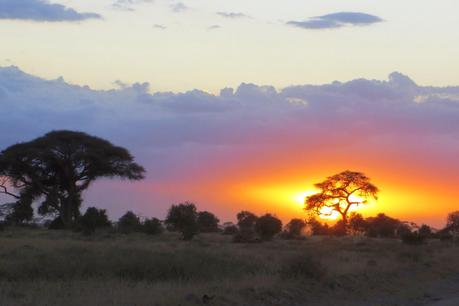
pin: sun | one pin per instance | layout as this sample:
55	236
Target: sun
299	198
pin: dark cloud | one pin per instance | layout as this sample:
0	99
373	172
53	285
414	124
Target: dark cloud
41	10
337	20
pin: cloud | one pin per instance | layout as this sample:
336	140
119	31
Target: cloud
41	10
336	20
214	27
128	5
194	139
179	7
232	15
159	27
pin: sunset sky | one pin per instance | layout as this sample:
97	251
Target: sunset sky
244	104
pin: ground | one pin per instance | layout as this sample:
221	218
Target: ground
41	267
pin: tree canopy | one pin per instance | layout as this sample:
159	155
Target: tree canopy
59	166
338	193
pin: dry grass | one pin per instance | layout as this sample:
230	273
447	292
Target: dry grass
39	267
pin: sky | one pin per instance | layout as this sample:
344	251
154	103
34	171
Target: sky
244	104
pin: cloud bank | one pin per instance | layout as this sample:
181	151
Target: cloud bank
192	139
41	10
336	20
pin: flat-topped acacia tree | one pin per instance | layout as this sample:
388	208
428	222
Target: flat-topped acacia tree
59	166
340	192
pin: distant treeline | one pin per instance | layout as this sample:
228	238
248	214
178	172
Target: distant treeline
185	219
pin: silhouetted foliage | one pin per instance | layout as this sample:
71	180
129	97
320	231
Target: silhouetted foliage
338	229
317	228
246	223
183	218
21	212
382	226
129	223
246	219
294	228
60	165
357	224
267	226
152	226
425	231
452	222
412	238
229	228
56	224
94	218
340	192
207	222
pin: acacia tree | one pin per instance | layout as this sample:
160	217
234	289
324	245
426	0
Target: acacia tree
340	192
59	166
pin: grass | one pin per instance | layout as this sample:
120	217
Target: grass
40	267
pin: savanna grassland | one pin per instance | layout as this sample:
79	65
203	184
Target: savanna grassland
42	267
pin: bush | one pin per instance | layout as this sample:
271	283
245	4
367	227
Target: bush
318	228
152	226
207	222
183	218
425	231
21	212
92	219
246	219
382	226
245	235
294	229
129	223
267	226
229	229
413	238
56	224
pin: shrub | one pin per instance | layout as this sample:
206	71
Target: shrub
294	228
246	219
452	222
339	229
129	222
413	238
92	219
267	226
152	226
382	226
207	222
56	224
245	235
21	212
183	218
229	229
425	231
357	224
317	228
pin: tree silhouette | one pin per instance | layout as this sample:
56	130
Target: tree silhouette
183	218
295	227
340	192
207	222
452	222
267	226
59	166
